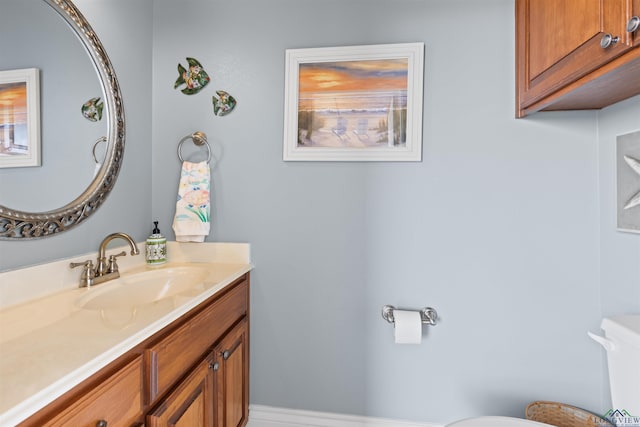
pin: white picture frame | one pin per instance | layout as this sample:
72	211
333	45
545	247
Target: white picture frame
354	103
20	118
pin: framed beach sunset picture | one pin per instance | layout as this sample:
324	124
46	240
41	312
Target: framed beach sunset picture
19	118
355	103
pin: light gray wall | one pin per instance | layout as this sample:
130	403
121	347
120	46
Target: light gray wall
505	227
498	228
125	29
619	251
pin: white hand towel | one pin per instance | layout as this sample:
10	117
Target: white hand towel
191	222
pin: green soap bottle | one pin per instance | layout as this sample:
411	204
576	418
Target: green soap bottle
156	247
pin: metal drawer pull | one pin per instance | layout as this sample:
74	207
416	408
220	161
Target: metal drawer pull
633	24
608	40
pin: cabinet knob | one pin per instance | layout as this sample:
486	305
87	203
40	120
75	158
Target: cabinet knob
633	24
608	40
101	423
214	366
225	354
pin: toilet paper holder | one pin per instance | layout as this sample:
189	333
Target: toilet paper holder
427	314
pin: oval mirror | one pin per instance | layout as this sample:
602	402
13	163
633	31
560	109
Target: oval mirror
73	201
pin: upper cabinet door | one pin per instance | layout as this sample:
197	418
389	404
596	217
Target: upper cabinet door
633	23
560	42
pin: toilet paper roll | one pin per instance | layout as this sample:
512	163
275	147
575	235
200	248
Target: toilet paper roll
408	327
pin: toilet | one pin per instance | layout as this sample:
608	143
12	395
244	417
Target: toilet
622	343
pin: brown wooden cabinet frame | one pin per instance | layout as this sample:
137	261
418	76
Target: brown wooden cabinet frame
584	77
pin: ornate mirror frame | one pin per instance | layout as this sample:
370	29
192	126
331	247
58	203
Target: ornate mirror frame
15	224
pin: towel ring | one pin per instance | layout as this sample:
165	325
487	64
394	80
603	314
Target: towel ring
95	145
199	139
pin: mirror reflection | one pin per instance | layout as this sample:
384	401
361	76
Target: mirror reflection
68	164
34	35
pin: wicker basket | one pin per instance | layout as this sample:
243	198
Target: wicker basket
562	415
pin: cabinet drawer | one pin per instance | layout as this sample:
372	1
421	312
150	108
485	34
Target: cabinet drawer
117	401
186	345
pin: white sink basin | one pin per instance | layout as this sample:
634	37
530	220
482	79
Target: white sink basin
143	288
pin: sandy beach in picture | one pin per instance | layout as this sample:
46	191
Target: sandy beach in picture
353	104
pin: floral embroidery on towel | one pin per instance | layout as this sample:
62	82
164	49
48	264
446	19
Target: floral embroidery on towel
193	194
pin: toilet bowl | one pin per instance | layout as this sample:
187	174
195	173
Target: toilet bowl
496	422
622	342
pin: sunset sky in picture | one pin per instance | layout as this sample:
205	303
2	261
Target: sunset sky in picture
353	76
13	103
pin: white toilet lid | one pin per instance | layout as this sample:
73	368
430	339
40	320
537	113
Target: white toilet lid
496	422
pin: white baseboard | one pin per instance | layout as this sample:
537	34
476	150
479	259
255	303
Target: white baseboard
269	416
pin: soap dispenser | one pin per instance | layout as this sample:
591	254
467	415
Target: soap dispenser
156	247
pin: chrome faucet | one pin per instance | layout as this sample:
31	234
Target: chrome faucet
102	267
104	271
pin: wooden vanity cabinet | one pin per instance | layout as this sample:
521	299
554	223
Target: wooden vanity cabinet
231	378
575	54
190	404
215	392
186	344
116	401
192	373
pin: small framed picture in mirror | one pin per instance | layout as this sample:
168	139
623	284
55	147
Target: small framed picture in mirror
19	118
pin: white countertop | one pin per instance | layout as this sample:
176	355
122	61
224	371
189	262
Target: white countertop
50	344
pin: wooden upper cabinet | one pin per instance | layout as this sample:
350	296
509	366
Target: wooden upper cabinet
633	24
575	54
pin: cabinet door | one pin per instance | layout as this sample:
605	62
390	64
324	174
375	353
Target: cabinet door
116	402
189	405
633	24
559	41
232	378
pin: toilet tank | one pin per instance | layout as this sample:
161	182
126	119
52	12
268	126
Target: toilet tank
623	360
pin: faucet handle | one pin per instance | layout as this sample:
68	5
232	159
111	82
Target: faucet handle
113	265
88	273
88	264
